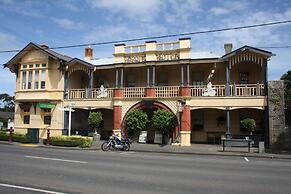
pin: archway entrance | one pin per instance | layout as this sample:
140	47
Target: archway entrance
152	135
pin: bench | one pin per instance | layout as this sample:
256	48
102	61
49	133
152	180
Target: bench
236	143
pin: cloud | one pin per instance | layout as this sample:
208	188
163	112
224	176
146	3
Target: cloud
228	7
141	10
68	24
6	37
219	10
24	8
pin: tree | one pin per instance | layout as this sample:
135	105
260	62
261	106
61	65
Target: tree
248	124
136	120
7	102
287	81
164	121
94	120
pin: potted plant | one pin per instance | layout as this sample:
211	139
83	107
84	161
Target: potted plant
248	125
94	120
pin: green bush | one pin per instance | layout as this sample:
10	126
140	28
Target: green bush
248	124
164	121
83	142
22	138
136	120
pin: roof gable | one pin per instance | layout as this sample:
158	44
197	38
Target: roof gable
244	48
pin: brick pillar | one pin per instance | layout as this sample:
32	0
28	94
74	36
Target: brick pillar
150	92
186	126
185	92
117	110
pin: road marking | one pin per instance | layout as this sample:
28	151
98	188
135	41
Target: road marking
29	145
57	159
246	159
127	153
30	188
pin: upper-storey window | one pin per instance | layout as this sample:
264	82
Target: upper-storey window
33	76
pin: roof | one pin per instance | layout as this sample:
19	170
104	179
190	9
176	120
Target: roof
32	46
100	61
244	48
204	55
74	60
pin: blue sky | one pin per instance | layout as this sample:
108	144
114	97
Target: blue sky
66	22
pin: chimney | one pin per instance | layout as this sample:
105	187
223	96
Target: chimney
88	53
227	47
44	46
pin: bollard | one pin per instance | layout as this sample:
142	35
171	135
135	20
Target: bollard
48	137
10	135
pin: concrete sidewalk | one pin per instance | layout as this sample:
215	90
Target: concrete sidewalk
194	149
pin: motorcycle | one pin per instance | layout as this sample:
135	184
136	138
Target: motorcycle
114	143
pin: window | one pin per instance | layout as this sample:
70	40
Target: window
131	80
243	78
30	66
36	79
23	83
47	119
37	65
29	80
47	110
43	77
198	120
24	66
26	119
43	65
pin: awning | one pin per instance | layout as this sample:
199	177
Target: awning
46	105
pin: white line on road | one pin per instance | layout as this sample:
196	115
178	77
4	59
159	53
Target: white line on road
246	159
127	153
30	189
57	159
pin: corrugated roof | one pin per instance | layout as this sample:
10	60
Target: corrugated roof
100	61
204	55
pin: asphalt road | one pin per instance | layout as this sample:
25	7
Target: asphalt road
40	170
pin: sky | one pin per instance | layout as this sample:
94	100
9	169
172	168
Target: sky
69	22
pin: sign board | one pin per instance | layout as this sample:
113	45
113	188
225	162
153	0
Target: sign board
46	105
143	137
158	137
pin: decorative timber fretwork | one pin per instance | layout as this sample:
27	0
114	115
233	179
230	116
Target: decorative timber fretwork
246	56
78	67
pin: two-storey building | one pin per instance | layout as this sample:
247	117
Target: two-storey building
208	93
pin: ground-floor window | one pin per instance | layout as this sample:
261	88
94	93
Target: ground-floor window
26	119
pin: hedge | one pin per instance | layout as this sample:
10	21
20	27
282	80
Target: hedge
83	142
16	137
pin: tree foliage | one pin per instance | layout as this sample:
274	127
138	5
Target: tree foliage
287	80
95	119
6	102
164	121
248	124
136	120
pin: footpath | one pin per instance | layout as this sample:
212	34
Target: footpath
194	149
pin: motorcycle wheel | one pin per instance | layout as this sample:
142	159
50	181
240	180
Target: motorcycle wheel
126	147
105	146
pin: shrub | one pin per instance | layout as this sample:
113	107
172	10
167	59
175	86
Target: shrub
136	120
83	142
17	137
248	124
95	119
164	121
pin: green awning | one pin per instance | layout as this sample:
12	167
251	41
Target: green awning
46	105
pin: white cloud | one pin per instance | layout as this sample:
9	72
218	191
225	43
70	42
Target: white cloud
141	10
219	10
6	37
68	24
228	7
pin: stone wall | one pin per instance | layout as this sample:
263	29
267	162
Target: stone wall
276	114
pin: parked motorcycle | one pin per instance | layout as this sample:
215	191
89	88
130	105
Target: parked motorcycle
114	143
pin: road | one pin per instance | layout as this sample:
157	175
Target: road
40	170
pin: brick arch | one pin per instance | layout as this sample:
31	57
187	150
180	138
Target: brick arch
143	105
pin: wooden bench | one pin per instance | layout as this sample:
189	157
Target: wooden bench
236	143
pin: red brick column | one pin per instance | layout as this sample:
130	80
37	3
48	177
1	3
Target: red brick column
118	93
185	91
186	119
116	117
150	92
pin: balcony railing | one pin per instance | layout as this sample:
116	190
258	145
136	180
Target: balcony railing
134	92
167	91
240	90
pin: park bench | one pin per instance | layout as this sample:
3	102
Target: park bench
236	143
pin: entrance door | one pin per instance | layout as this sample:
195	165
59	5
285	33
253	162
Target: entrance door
33	135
